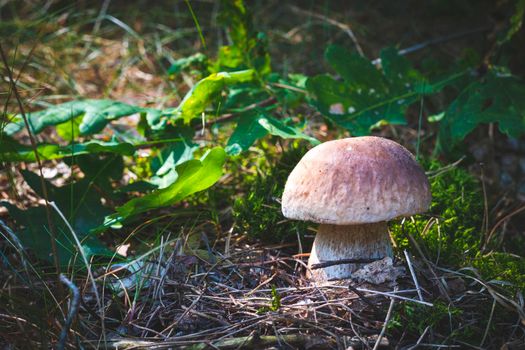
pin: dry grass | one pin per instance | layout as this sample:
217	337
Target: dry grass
178	297
223	294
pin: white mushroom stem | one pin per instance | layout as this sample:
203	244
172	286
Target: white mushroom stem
338	242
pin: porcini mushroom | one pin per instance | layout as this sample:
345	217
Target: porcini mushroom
352	187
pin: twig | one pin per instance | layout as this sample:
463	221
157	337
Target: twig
392	295
73	310
387	319
343	262
363	297
420	339
344	27
498	224
488	324
412	272
448	167
425	260
436	41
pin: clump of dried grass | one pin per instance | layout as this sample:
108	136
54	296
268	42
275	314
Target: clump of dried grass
258	297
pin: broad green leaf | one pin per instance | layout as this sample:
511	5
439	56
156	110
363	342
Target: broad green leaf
100	171
207	90
498	98
356	70
82	207
34	234
176	153
93	116
11	150
278	128
367	96
97	115
248	131
257	125
79	201
193	176
70	130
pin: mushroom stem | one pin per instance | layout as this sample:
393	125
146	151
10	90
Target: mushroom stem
338	242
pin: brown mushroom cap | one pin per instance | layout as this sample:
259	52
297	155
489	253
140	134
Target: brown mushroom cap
354	181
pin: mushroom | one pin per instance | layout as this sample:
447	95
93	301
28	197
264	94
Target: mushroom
352	187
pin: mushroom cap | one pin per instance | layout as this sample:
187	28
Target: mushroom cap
356	180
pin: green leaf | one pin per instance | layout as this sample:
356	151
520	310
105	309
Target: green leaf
498	98
70	130
98	113
90	115
34	234
207	90
171	156
249	49
100	170
193	176
196	60
11	150
253	126
248	131
367	96
93	115
81	206
78	201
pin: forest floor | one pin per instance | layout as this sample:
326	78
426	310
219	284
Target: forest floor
194	276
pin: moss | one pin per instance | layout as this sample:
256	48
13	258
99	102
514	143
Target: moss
502	267
258	211
414	318
457	203
455	240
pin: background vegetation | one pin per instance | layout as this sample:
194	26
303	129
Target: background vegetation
156	139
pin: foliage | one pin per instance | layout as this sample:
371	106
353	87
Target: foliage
494	98
414	318
192	176
275	304
81	206
250	103
12	151
258	211
96	114
253	126
367	96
